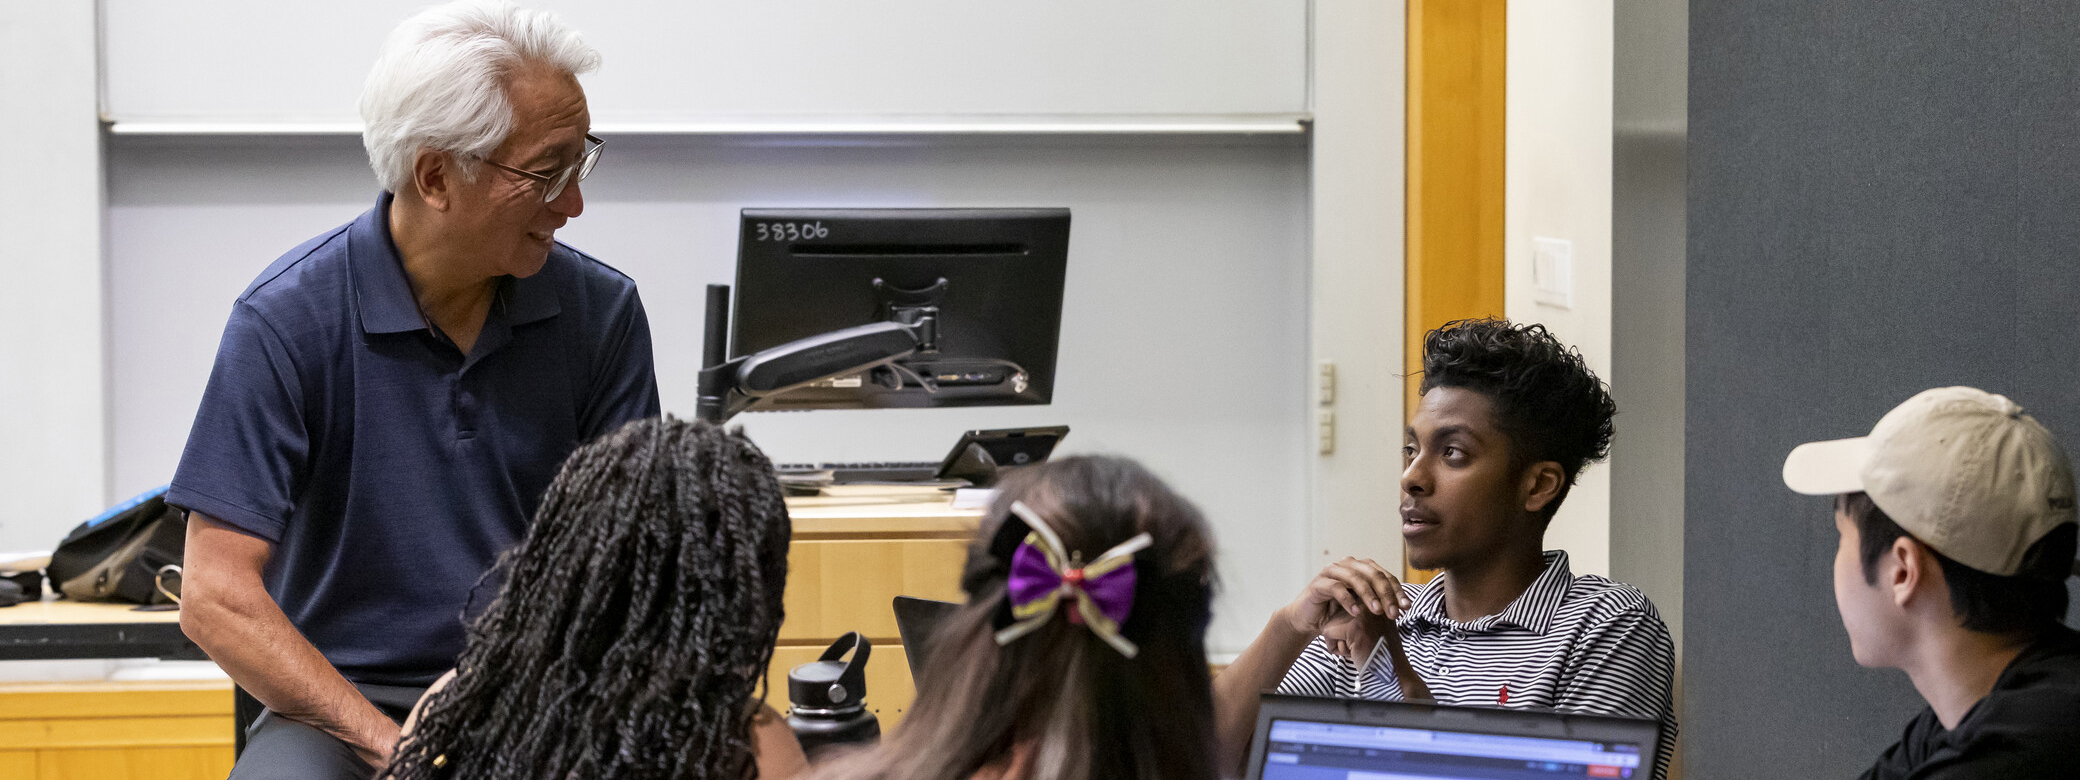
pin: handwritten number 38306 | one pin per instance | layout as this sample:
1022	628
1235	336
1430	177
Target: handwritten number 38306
789	231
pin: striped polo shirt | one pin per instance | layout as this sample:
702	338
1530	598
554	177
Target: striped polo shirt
1576	644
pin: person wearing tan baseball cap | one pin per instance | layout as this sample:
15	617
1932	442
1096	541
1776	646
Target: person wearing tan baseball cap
1958	531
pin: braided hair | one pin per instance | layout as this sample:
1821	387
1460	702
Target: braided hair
633	631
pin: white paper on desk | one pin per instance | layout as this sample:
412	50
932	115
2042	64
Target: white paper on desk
903	491
24	560
974	498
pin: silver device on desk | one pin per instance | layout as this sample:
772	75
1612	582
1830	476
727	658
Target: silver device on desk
1309	738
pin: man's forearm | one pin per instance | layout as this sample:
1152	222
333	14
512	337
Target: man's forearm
250	637
1236	691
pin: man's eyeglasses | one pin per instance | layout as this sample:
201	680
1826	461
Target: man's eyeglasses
554	182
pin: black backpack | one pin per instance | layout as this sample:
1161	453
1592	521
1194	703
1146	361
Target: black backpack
118	555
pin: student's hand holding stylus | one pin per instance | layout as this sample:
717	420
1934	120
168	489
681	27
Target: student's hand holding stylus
1350	604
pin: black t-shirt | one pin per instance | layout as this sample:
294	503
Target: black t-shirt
2027	726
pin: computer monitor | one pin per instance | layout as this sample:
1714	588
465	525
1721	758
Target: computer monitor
982	289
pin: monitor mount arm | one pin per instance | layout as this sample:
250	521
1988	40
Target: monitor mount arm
916	308
728	387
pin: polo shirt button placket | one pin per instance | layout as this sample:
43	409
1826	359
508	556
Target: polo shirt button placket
465	412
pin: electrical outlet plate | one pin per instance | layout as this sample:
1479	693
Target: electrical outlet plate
1552	272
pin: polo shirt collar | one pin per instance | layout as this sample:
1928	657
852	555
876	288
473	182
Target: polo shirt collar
381	290
1531	611
533	298
384	294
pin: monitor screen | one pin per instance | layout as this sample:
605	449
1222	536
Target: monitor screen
1309	750
982	286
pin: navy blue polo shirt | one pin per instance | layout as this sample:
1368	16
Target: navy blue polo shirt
388	468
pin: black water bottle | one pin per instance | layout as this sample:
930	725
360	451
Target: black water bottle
828	699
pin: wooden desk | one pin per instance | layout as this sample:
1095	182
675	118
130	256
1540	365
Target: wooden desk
116	730
52	629
108	730
851	556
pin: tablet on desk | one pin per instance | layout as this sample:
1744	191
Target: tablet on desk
979	454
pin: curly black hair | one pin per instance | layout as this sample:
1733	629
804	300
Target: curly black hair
1552	407
636	621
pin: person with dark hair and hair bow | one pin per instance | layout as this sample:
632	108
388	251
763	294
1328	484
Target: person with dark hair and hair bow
1509	418
633	630
1080	653
1958	530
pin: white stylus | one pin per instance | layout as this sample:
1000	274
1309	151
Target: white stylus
1360	676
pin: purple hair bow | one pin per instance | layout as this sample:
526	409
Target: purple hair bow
1043	573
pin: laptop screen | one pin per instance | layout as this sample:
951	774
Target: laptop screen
1311	750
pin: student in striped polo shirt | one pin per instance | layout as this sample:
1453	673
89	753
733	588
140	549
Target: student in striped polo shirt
1509	418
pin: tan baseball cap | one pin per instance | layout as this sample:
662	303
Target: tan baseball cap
1965	471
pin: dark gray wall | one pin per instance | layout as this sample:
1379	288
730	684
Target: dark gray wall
1884	197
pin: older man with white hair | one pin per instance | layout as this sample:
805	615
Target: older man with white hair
391	399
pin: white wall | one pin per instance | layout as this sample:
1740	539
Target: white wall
1185	326
1565	116
712	61
52	439
1557	184
1360	87
1203	289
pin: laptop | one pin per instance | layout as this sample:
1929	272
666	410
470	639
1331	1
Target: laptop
916	620
1308	738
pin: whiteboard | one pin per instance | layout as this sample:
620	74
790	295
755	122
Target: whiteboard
270	63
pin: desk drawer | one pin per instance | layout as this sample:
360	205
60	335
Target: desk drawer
835	586
115	730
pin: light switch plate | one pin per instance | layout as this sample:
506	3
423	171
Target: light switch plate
1552	272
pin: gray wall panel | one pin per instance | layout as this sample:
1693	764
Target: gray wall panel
1882	199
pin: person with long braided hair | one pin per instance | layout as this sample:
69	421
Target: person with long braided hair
632	633
1080	652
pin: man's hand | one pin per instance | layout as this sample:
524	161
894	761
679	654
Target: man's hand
1354	638
1350	605
377	742
226	610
